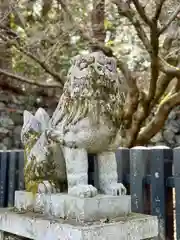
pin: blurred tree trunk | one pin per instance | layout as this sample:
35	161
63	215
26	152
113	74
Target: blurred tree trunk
5	51
97	22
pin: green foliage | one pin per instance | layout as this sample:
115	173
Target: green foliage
45	31
52	35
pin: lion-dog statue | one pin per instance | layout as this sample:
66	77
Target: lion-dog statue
87	120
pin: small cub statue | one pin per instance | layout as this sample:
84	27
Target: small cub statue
88	119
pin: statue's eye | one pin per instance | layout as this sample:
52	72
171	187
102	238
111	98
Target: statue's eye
90	59
99	68
109	67
83	65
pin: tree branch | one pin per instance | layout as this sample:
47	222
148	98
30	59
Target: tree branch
133	93
170	20
143	109
97	20
100	46
137	119
172	35
154	40
159	6
16	44
162	85
169	69
82	31
25	80
55	75
157	122
94	43
157	63
126	11
151	46
141	12
131	81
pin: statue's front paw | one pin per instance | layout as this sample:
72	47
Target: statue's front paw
47	188
116	189
83	191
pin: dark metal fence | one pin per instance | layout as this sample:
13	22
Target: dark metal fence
11	175
151	175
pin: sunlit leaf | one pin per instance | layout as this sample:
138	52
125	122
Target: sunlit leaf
107	24
110	43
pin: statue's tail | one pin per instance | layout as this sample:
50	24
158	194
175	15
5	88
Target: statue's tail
33	134
44	158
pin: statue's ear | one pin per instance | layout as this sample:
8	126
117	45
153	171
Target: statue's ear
27	116
42	116
30	125
31	121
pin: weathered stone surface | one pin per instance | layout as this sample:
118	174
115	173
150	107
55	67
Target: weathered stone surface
107	173
24	200
9	236
63	205
76	129
34	226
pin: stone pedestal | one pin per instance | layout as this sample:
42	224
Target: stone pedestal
38	227
63	217
66	206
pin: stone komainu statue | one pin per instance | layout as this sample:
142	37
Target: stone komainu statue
86	120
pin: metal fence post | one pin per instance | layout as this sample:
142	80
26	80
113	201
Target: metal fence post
176	158
122	158
3	178
138	170
161	169
12	173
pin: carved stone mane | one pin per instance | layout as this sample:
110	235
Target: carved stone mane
92	88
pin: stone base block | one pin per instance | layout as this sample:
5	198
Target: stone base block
38	227
66	206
